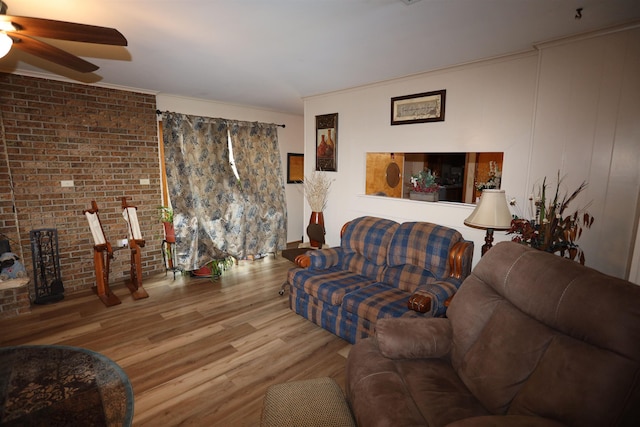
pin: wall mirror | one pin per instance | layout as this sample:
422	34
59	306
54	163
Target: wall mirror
460	176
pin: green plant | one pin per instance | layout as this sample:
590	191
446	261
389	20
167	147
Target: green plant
550	230
424	181
165	214
218	266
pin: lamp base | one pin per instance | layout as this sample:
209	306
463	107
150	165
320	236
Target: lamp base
488	239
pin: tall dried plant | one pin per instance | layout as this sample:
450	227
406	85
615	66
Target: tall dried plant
550	229
316	190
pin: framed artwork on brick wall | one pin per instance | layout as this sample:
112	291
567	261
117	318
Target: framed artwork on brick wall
327	142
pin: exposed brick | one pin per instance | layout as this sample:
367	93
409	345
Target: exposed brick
58	131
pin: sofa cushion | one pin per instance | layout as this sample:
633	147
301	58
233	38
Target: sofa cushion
323	314
365	243
377	301
422	244
330	317
407	277
330	285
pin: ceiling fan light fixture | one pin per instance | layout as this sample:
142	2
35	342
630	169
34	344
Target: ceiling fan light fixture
5	44
7	26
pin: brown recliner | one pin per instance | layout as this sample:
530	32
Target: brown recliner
530	339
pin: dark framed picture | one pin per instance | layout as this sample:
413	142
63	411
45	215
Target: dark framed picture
327	142
419	108
295	168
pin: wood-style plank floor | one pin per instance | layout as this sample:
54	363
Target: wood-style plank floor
198	352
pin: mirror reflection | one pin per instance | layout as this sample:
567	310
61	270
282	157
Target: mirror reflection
451	177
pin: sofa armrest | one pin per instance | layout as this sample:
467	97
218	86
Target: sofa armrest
320	259
506	421
460	258
420	302
437	293
302	261
414	338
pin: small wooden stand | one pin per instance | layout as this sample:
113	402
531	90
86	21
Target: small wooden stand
135	243
102	255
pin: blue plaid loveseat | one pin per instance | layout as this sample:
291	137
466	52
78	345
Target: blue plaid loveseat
379	267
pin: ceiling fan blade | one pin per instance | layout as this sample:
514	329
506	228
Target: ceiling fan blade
65	30
53	54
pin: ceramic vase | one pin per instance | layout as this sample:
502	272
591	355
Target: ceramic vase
169	232
316	218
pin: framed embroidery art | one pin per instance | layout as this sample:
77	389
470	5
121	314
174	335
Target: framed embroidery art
419	108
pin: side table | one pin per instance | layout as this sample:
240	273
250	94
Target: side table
169	258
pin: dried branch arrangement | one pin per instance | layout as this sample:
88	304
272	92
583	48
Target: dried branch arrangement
316	190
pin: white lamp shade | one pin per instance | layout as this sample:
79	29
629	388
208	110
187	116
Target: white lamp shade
491	211
5	44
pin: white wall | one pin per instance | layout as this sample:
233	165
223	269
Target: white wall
489	107
571	106
290	140
586	125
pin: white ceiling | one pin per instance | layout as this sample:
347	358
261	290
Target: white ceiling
272	53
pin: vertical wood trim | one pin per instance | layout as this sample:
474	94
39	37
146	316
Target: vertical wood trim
163	169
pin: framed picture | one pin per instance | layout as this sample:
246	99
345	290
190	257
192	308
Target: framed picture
418	108
327	142
295	168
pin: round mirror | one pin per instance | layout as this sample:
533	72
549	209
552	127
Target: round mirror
393	175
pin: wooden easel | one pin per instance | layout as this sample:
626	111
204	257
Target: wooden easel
102	255
135	243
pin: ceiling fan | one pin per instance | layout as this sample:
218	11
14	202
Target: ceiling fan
19	32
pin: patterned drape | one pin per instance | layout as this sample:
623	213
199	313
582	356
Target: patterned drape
216	214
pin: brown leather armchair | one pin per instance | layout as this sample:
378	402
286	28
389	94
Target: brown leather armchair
530	339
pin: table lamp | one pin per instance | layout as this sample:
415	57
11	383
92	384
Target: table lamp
491	213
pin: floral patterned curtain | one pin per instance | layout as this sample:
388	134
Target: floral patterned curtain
215	214
257	159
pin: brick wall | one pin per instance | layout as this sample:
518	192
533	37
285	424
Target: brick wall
106	141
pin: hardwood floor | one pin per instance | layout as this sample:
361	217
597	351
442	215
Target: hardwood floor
197	352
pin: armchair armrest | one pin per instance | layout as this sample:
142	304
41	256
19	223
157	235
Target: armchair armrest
414	338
